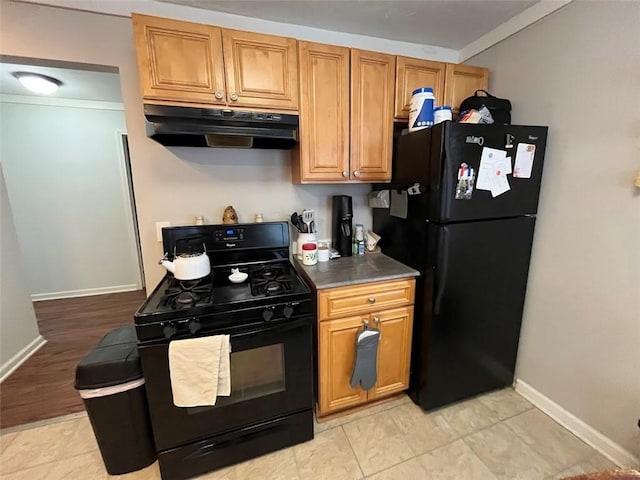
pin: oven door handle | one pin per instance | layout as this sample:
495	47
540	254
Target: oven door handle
277	326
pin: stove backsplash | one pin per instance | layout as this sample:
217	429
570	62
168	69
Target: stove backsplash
192	184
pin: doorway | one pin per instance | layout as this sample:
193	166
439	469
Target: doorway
68	179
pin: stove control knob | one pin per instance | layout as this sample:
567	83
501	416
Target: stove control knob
169	330
194	326
267	314
287	311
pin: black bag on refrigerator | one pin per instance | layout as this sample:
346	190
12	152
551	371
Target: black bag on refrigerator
500	108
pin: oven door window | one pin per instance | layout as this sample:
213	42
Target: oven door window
271	375
255	373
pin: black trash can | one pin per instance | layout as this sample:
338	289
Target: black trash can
111	384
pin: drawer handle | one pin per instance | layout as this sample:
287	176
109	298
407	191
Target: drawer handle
372	300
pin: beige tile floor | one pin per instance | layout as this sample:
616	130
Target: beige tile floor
496	436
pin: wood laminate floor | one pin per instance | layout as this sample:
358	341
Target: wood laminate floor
43	386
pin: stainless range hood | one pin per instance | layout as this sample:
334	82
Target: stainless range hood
204	127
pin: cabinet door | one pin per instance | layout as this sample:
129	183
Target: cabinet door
261	70
412	73
372	94
179	61
337	350
324	113
394	351
461	81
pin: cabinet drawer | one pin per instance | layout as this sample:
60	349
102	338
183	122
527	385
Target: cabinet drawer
365	298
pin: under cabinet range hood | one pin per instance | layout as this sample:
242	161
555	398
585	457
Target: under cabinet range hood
209	127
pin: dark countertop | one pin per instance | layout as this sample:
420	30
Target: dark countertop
345	271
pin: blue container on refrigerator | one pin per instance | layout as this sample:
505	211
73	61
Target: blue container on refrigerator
421	111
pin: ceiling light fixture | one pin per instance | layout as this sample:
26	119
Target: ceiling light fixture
38	83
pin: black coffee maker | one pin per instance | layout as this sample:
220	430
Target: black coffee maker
342	224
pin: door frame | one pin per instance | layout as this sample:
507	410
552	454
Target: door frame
129	198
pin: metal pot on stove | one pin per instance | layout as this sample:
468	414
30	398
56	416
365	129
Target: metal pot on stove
188	265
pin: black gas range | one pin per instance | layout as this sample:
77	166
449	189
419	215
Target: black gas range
269	318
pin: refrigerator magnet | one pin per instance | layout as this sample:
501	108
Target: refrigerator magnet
466	180
414	189
508	140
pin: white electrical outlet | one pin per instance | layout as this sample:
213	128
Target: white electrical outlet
159	227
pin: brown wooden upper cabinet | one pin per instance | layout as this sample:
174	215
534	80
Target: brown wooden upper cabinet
451	83
412	73
461	81
372	88
195	63
346	115
261	70
179	61
323	154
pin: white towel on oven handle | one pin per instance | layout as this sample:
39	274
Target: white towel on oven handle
224	371
199	369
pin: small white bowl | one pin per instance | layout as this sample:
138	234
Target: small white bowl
238	277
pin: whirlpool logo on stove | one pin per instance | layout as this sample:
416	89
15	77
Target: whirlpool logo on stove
230	245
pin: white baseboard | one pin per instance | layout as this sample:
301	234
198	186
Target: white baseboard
19	358
607	447
38	297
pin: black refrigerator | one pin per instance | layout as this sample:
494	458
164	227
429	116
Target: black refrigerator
472	247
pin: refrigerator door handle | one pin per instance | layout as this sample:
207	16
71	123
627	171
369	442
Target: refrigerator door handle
442	267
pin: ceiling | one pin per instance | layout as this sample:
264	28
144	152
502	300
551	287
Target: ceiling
76	84
444	23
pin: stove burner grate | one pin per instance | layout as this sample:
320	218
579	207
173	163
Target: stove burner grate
187	293
272	280
273	287
187	298
268	273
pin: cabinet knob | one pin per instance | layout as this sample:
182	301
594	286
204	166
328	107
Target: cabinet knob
345	173
376	320
372	299
219	95
234	97
356	173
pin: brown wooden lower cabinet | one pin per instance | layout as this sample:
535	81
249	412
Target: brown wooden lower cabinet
337	350
394	351
337	342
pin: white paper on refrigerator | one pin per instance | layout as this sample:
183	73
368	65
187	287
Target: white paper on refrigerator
524	160
507	165
499	181
486	171
499	184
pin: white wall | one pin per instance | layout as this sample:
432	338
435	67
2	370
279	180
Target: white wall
173	185
578	71
18	326
204	181
67	184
